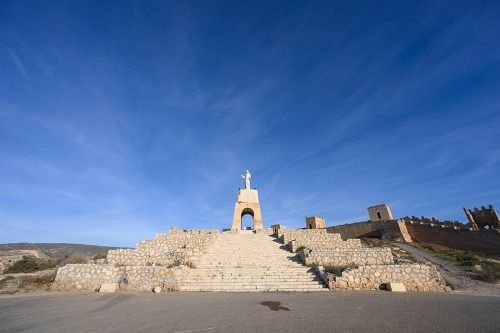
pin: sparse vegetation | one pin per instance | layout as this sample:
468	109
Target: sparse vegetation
175	263
72	259
428	247
101	255
489	270
37	281
30	265
5	280
337	270
400	255
300	248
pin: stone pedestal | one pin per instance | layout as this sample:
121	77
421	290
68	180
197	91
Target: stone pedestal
247	202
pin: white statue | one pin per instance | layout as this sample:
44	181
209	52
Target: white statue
247	177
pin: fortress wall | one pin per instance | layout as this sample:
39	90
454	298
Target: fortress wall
415	277
176	247
332	257
478	241
359	229
90	277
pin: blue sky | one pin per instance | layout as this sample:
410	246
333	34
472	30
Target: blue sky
121	119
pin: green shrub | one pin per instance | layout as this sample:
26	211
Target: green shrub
30	265
428	247
463	258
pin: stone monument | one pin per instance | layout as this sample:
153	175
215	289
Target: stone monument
247	202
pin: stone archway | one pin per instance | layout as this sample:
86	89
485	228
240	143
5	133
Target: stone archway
247	203
247	212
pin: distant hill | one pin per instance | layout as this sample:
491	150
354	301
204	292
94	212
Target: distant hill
57	250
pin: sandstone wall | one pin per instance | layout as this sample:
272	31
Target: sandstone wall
90	277
336	257
415	277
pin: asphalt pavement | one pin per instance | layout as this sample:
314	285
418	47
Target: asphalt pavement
249	312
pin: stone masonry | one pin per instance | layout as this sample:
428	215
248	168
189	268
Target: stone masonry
206	260
335	257
90	277
371	268
415	277
248	261
161	262
175	248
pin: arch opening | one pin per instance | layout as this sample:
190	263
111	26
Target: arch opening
247	219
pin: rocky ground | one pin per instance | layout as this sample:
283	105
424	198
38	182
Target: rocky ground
462	279
459	277
31	267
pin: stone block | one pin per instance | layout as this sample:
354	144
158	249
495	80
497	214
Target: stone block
396	287
109	287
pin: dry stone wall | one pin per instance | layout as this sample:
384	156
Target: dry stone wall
90	277
341	257
374	266
415	277
161	262
175	248
318	239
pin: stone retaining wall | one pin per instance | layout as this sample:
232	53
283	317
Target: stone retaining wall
317	239
415	277
175	248
90	277
336	257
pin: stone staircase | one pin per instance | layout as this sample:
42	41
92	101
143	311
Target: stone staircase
248	261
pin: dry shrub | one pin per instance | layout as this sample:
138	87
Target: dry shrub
42	281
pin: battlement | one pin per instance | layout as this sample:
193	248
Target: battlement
483	219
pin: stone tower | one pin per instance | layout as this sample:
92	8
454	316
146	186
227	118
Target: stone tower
247	203
380	213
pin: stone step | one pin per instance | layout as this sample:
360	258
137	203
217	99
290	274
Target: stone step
250	278
252	270
256	285
251	288
249	262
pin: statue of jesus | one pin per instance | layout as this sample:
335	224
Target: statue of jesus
247	177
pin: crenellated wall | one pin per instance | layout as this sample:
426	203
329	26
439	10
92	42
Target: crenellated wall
482	241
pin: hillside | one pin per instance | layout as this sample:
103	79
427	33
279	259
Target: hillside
55	250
